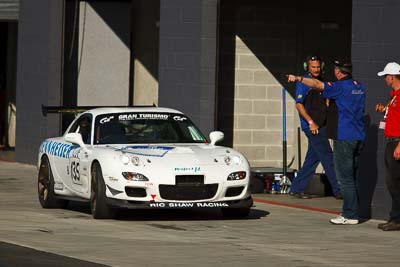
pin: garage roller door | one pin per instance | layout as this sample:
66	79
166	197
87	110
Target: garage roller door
9	9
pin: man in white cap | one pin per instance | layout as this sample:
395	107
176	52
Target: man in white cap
391	127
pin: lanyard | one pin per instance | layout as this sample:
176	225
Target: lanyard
387	108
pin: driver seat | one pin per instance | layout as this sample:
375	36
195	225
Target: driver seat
112	133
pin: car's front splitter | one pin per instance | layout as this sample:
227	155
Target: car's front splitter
242	203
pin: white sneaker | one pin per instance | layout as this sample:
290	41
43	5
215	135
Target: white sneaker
343	220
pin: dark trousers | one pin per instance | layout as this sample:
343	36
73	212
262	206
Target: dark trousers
392	168
347	155
319	150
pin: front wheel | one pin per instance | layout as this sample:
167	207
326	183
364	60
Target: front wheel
100	209
45	185
235	213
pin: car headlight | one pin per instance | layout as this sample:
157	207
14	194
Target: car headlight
236	176
125	159
134	176
135	161
232	160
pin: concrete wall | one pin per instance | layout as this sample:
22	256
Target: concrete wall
102	66
38	74
187	68
375	42
11	81
104	53
258	111
257	47
145	47
12	60
260	42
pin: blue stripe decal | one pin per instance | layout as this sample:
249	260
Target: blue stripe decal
57	149
150	151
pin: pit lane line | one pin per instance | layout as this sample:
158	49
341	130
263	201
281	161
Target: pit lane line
277	203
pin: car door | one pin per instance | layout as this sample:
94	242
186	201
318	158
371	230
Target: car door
58	151
77	169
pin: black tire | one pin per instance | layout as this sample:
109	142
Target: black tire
100	209
235	213
45	186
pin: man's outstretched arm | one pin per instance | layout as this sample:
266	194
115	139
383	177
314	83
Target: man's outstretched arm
310	82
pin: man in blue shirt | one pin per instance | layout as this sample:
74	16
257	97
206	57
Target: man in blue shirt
349	95
312	111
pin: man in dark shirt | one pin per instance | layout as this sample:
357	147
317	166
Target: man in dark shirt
312	111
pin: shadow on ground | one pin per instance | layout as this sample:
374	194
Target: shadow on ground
167	214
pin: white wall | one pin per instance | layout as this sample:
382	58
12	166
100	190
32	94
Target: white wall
104	58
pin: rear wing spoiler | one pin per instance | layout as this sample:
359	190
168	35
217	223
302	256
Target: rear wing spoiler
79	109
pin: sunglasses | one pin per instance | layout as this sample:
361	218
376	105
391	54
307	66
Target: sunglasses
337	63
315	58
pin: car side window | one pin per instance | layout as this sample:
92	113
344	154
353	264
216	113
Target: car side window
83	126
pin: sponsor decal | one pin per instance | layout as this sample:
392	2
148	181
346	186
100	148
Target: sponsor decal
139	116
74	163
57	149
151	151
188	205
127	117
106	119
212	205
357	92
153	197
187	169
58	186
75	172
112	179
179	118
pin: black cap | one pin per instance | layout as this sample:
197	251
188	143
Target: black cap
344	65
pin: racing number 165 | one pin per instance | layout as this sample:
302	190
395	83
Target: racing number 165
75	171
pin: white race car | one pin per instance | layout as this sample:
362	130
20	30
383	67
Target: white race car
141	157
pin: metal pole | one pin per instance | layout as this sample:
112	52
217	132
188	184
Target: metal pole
284	147
299	147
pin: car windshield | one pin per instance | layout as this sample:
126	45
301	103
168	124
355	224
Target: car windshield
138	128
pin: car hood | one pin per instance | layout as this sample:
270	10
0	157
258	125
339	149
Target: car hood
181	155
161	163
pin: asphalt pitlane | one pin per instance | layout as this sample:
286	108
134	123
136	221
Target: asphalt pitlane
271	235
72	236
12	255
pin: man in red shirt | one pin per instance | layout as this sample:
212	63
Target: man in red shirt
391	127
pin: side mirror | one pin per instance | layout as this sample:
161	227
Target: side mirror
75	138
216	136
